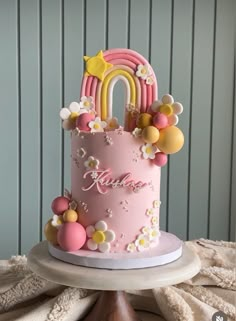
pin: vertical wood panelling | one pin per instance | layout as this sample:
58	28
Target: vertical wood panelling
95	26
118	38
117	24
9	131
222	121
160	60
139	26
30	132
180	88
51	103
73	65
200	122
190	44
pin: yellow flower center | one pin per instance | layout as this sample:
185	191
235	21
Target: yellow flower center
148	150
143	71
96	126
142	242
59	221
154	233
98	237
86	104
91	164
166	109
73	115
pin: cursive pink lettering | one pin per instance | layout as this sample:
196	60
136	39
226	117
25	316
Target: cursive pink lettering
101	179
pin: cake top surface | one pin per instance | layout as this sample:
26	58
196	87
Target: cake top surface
145	117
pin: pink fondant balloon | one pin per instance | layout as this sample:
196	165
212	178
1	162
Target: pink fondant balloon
60	205
160	120
160	159
83	120
71	236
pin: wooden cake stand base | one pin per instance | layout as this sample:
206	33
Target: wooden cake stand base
112	304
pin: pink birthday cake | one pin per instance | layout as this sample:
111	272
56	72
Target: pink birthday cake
114	201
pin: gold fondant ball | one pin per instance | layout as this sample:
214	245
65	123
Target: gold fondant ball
144	120
150	134
50	232
70	216
171	140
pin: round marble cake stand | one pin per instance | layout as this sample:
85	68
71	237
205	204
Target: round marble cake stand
112	305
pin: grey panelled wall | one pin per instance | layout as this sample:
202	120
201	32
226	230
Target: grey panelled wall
190	44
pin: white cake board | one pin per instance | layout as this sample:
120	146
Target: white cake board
168	250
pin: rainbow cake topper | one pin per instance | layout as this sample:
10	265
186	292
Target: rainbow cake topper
106	68
148	119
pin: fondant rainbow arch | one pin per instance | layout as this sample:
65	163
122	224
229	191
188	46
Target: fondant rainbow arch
122	65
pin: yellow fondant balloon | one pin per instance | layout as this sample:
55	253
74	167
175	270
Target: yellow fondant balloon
70	216
171	140
150	134
144	120
50	232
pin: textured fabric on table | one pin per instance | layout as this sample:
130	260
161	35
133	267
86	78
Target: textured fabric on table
25	296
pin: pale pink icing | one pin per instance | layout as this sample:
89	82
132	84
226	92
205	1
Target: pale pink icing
128	208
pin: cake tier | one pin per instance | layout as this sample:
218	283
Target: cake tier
113	183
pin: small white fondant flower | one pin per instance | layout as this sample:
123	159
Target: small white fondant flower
142	242
76	131
86	103
108	140
148	151
154	220
137	132
133	110
131	247
97	125
81	152
151	232
156	204
57	220
67	194
169	107
71	112
112	123
143	71
73	205
150	211
149	80
91	163
99	237
94	175
120	130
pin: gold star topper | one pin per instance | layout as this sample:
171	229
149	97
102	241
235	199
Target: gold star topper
96	65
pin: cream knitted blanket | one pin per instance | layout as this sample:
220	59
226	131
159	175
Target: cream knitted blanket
25	296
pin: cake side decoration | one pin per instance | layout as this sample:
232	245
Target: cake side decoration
115	169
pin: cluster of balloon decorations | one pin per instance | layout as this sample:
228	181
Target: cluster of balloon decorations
71	235
158	128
